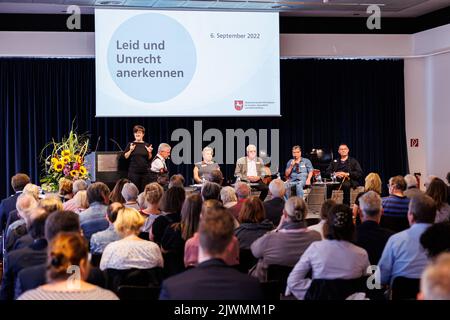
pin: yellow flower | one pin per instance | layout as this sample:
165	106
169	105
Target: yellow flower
58	166
83	170
65	153
65	159
79	159
74	173
54	160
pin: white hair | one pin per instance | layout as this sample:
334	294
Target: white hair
79	185
277	188
242	190
129	191
250	146
411	181
205	149
370	204
163	146
435	280
227	194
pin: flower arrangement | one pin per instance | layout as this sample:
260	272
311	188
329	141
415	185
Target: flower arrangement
66	160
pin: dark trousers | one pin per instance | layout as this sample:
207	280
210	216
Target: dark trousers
140	179
263	188
346	187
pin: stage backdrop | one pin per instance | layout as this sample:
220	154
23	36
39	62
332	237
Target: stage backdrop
323	103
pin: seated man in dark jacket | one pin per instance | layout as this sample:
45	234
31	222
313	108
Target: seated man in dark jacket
274	207
34	254
212	278
369	234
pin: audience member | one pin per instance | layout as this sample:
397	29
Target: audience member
101	239
435	280
372	183
18	182
65	191
436	239
98	198
152	194
215	176
177	180
274	207
210	191
437	190
30	189
116	193
412	186
243	192
395	206
130	193
326	206
228	197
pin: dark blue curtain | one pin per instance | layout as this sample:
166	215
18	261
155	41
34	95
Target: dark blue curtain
323	103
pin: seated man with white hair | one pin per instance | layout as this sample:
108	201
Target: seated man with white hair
412	186
158	170
251	169
130	193
274	207
435	280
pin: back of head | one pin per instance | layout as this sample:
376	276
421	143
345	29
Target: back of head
216	231
153	193
129	221
252	211
98	192
79	185
215	176
411	181
19	181
210	190
242	190
177	180
113	210
51	203
339	224
210	204
227	194
116	193
32	189
80	199
295	208
422	208
326	206
277	188
65	186
435	280
66	250
38	218
190	215
398	182
437	189
436	239
373	183
172	200
61	221
370	204
25	202
130	192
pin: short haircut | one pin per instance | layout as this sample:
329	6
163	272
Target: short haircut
206	149
172	200
411	180
326	206
32	190
130	191
210	190
79	185
163	146
227	194
252	211
216	231
423	208
242	190
438	190
370	204
97	192
436	239
177	180
37	224
343	144
339	225
65	250
137	128
296	147
51	203
128	221
215	176
373	183
112	211
295	208
26	202
277	188
65	186
398	182
59	221
435	280
153	193
250	146
19	181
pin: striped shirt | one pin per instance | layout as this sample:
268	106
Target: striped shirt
96	293
395	206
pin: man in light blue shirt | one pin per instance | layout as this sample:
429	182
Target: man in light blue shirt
403	255
298	172
101	239
98	198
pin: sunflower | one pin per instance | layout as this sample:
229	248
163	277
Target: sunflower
65	153
74	173
83	170
65	159
58	166
54	160
79	159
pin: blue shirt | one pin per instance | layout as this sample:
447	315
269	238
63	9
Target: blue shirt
300	171
395	206
96	210
403	255
101	239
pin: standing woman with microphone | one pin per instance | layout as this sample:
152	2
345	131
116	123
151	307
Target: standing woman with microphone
139	154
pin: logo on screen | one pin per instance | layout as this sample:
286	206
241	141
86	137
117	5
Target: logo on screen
238	105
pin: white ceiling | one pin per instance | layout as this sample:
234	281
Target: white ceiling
315	8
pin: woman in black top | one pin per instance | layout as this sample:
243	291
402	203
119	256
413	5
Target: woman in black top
139	154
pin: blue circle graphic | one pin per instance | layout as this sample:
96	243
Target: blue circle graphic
152	57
